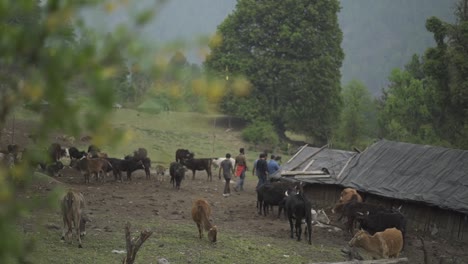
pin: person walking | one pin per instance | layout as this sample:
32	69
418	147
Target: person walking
261	169
240	168
228	170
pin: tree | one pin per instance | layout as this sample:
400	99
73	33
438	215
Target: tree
40	61
405	110
292	61
358	120
447	65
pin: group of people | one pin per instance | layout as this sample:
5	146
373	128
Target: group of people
261	168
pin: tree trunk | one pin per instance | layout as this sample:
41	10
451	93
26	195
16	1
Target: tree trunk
133	245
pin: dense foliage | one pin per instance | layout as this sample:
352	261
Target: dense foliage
46	56
291	61
428	101
358	120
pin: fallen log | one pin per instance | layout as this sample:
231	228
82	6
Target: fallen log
133	245
376	261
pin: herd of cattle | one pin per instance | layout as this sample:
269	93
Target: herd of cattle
383	230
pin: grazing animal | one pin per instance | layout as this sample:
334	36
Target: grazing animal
345	197
181	154
177	172
198	164
201	212
160	171
73	216
298	208
385	244
271	194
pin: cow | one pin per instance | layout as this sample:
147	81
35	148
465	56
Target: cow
354	208
181	154
76	154
145	161
73	216
271	194
380	220
385	244
201	212
198	164
346	195
298	207
88	166
54	168
129	165
177	172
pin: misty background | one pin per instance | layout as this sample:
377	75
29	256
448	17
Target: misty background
378	35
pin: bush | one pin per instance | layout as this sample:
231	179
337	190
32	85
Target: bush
261	133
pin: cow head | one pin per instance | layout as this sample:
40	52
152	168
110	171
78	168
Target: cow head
84	220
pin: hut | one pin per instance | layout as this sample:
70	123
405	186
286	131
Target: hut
431	183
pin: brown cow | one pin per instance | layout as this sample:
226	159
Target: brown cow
385	244
73	216
201	212
346	196
88	166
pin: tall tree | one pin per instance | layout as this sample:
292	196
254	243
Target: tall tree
292	61
358	121
447	65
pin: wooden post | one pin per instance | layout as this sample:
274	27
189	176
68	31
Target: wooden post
133	245
376	261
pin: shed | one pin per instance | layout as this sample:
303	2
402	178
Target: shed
430	182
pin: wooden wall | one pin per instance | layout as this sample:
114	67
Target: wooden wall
421	218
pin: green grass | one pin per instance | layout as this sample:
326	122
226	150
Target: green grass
178	243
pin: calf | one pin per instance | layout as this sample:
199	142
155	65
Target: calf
160	170
385	244
54	169
298	208
177	172
201	212
198	164
73	217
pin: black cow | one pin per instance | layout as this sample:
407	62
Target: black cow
182	154
298	208
198	164
354	208
272	194
54	168
177	172
129	165
76	154
144	160
381	220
